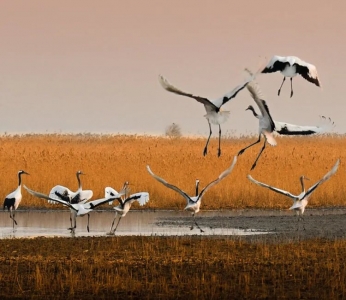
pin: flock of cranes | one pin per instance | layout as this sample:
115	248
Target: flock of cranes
84	206
80	204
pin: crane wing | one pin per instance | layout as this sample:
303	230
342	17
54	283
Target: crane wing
85	195
170	88
324	178
290	129
43	196
257	96
60	192
110	193
217	180
170	186
276	63
283	192
95	203
232	94
307	71
141	197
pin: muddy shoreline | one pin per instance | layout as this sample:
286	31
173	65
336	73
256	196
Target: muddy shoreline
282	225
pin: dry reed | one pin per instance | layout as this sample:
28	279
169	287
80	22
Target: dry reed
171	268
110	160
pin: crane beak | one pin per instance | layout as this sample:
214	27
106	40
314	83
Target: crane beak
26	173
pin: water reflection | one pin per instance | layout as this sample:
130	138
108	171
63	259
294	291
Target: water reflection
33	223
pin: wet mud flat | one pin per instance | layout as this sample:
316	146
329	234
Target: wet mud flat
281	225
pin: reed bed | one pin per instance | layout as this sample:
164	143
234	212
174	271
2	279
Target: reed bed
110	160
171	268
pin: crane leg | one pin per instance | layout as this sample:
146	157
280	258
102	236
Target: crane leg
291	88
206	145
281	86
12	217
243	150
111	232
70	220
301	217
14	221
113	223
194	219
72	228
259	154
88	222
117	225
219	150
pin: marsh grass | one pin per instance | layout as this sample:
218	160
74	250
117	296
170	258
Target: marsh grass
171	268
110	160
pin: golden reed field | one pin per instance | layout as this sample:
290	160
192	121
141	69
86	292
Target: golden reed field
53	159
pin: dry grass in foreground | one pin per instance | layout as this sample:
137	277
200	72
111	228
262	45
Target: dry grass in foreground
171	268
111	160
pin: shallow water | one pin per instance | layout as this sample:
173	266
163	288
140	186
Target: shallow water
247	222
49	223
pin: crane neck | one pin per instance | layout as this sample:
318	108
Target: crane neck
197	184
253	111
79	181
125	188
19	178
302	183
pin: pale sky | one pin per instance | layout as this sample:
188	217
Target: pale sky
93	66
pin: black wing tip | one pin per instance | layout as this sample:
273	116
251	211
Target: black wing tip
284	131
276	66
267	70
